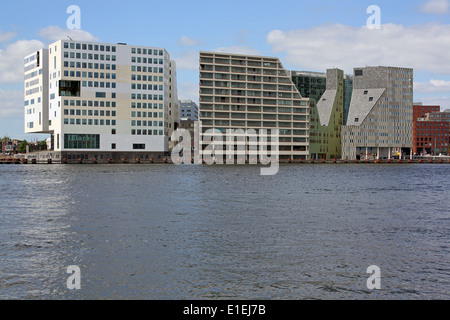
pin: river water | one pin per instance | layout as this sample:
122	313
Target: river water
165	232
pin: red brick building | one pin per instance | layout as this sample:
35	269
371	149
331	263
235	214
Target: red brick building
430	134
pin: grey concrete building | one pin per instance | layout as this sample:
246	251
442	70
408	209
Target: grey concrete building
379	123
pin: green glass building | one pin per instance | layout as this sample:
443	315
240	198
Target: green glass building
330	95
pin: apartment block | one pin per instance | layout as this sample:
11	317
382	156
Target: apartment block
104	99
380	118
253	92
189	110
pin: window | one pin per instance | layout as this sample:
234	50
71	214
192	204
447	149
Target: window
356	119
82	141
113	146
138	146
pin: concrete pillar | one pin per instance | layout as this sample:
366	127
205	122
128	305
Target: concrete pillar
389	152
367	153
378	153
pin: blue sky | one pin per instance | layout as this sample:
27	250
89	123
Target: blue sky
305	35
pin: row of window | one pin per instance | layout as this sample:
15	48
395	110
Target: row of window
89	56
144	114
139	123
138	86
85	65
90	47
144	132
139	77
84	112
154	52
90	103
140	96
32	101
90	122
139	105
146	60
433	139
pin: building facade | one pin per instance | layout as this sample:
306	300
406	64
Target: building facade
36	92
106	98
327	94
253	92
380	118
189	110
430	130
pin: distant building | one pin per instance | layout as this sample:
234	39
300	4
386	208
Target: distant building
188	110
431	130
380	118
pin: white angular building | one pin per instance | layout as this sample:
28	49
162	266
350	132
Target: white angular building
102	100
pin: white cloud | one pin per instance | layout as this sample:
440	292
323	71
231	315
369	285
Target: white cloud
56	33
11	103
443	102
188	60
432	86
186	41
6	36
188	91
436	7
422	47
11	59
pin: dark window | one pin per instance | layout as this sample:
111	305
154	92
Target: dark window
82	141
138	146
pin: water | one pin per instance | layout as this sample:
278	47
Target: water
224	232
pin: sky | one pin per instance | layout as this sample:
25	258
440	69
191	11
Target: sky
304	35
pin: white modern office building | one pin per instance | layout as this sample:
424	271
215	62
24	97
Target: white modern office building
102	100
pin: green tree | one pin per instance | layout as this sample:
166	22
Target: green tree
5	138
23	146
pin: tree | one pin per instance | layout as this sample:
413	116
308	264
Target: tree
5	138
23	146
43	145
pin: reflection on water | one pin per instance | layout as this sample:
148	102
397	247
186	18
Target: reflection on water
224	232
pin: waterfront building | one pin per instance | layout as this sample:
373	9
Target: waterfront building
328	99
189	110
430	130
380	118
102	100
253	92
36	92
